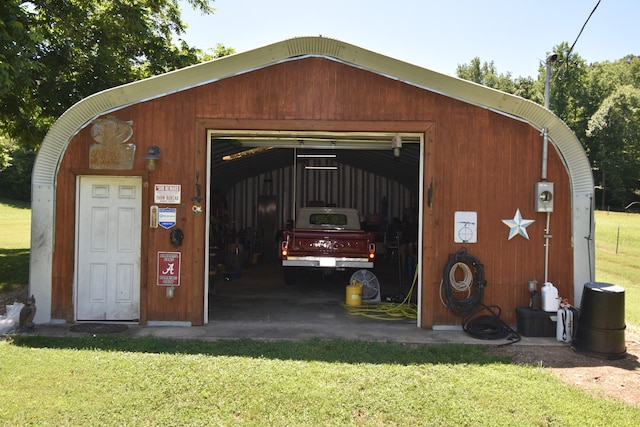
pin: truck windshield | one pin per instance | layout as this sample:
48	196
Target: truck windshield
327	219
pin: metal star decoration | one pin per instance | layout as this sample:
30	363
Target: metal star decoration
518	225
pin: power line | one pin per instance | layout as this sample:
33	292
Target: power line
566	59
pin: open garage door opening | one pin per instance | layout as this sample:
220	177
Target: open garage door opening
259	180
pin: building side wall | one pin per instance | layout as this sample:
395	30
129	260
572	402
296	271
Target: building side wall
489	164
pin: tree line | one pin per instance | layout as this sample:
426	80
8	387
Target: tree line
57	52
54	53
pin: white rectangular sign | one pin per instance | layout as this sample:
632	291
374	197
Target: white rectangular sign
167	194
465	228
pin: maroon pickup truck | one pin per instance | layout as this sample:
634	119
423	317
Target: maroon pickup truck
326	238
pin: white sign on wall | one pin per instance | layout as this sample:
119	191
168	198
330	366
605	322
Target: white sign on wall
167	194
465	227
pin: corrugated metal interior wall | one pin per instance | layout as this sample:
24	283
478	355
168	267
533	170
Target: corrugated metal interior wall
344	187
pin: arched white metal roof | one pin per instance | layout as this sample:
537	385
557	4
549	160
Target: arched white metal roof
82	113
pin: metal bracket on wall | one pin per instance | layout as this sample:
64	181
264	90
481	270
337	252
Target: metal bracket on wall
198	197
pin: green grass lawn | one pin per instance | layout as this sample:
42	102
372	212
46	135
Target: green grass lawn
109	380
112	380
15	236
618	257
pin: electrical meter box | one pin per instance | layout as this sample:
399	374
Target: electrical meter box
544	197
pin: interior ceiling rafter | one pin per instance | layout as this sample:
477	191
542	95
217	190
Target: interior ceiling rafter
238	155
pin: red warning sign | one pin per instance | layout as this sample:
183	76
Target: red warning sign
169	268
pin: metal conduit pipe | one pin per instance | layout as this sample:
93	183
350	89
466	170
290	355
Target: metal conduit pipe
545	156
547	236
545	133
545	153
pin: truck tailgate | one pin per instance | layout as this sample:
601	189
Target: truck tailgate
329	243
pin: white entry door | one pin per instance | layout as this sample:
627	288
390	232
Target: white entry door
108	227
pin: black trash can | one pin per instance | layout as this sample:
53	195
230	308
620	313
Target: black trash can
599	331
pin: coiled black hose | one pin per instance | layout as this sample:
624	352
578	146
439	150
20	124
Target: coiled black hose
451	297
490	326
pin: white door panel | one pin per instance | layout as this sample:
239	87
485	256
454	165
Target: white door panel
108	248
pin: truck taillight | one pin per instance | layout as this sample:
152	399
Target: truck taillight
284	250
372	251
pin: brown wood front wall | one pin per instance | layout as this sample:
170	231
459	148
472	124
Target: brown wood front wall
475	160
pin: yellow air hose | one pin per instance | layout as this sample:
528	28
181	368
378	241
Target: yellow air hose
388	310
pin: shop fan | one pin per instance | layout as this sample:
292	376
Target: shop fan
370	285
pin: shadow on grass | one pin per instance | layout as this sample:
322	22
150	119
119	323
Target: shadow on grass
14	268
337	350
16	204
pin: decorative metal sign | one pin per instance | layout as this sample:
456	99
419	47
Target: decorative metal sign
168	268
110	149
518	225
167	217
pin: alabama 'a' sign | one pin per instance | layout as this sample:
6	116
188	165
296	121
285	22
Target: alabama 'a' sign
168	268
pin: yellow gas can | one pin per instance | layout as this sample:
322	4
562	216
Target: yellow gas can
354	293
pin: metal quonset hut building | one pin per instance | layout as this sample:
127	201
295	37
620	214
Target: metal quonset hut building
475	161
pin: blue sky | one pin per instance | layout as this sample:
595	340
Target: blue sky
436	34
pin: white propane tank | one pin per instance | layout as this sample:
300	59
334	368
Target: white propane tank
564	326
550	300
